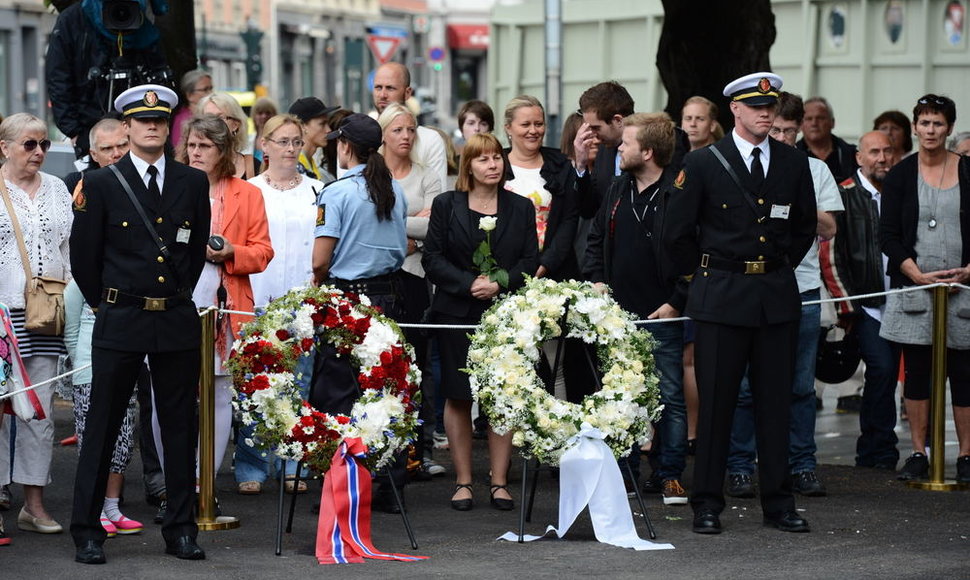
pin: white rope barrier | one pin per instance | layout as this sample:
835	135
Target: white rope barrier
42	383
474	326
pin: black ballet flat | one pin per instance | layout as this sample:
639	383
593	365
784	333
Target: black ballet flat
463	505
500	503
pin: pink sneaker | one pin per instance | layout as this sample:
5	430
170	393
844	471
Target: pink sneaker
126	526
109	527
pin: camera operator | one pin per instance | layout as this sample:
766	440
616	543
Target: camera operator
97	50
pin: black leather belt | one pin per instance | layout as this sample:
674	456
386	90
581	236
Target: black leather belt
742	266
378	285
115	296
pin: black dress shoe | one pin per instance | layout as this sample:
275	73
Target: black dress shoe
498	502
160	515
90	552
740	485
787	522
463	505
707	522
185	548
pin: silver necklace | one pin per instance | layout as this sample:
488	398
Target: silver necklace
936	195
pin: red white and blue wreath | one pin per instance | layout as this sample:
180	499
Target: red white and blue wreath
263	364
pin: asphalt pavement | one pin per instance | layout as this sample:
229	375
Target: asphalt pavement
869	526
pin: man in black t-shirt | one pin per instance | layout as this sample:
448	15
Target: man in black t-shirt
624	251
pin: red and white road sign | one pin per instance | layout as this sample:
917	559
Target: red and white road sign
383	47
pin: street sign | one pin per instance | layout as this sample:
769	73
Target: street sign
436	53
383	47
384	40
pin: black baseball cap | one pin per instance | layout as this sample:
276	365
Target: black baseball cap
310	108
359	129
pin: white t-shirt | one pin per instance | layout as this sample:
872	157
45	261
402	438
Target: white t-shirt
808	274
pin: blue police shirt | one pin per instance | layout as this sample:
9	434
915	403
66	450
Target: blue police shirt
366	247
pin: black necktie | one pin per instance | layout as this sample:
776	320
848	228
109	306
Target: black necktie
757	170
153	182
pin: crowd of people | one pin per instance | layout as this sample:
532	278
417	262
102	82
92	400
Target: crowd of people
184	208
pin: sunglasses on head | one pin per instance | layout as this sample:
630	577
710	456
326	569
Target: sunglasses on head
31	144
937	100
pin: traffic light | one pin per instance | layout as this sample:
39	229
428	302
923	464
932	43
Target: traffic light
437	67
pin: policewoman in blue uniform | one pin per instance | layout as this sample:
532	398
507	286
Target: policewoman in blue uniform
740	218
142	296
361	242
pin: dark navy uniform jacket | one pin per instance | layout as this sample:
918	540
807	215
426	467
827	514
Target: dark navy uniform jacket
111	248
708	214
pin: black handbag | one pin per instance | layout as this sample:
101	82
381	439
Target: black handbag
837	360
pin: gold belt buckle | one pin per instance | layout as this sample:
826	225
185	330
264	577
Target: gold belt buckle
112	296
757	267
155	304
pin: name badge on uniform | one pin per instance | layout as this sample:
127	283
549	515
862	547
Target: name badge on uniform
780	211
183	235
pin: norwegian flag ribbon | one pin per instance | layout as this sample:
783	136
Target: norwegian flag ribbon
343	530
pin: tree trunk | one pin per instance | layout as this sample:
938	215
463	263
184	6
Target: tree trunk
705	44
178	38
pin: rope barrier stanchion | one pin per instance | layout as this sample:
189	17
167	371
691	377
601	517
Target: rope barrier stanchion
938	399
207	519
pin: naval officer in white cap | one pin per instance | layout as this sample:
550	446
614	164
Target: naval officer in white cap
740	218
136	258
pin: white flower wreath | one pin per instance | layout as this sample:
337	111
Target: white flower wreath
506	347
266	395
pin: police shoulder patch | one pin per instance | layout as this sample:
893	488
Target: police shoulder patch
681	179
322	214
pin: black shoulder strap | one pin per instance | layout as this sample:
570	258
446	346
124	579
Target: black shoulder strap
748	196
148	224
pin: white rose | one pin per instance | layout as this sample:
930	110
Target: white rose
487	223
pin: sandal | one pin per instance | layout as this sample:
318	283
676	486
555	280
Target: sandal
291	483
249	488
498	502
462	505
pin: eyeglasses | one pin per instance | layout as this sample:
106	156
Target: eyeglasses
284	143
207	89
937	100
31	144
789	132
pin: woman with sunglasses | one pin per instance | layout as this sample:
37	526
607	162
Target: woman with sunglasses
925	234
42	208
239	247
227	108
290	201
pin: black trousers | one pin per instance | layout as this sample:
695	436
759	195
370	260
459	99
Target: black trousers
721	354
151	467
175	379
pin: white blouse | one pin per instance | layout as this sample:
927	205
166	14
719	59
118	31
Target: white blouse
292	216
420	186
45	223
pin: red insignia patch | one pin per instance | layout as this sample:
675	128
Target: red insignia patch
80	201
764	85
151	98
681	178
322	215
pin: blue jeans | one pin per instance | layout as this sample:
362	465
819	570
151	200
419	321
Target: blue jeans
252	464
801	447
877	417
670	443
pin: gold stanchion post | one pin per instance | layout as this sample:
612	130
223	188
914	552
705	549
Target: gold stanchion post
938	400
207	519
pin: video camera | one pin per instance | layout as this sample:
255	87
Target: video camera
123	16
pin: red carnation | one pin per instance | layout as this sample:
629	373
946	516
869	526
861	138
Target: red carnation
282	334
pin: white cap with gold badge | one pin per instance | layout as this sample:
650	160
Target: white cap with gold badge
147	101
755	89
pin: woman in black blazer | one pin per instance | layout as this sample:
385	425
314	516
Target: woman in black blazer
462	295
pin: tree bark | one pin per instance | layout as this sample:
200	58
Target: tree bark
178	38
705	44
